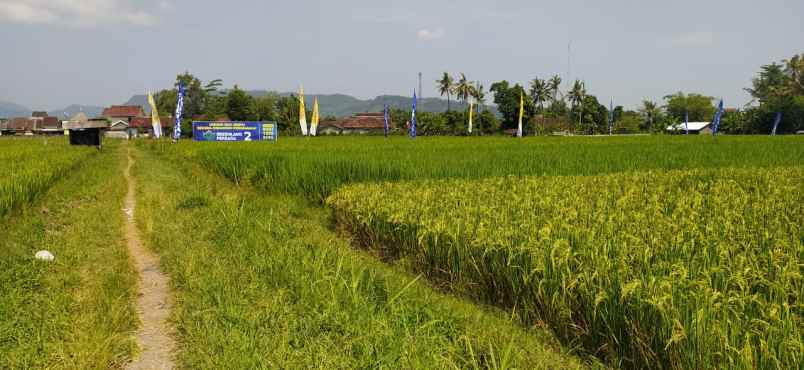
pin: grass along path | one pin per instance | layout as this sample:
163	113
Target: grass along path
261	282
154	301
75	312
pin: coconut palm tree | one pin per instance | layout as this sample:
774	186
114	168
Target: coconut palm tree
462	89
650	109
480	98
576	96
445	86
540	92
555	87
479	94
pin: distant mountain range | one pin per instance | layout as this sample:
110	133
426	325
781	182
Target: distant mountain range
338	105
341	105
10	110
89	110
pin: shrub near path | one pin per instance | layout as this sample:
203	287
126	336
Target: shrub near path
75	312
261	282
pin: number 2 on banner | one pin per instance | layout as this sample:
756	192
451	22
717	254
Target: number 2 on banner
248	136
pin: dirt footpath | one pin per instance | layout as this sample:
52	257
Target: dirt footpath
154	301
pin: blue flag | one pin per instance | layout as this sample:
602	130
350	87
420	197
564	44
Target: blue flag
718	115
687	122
179	109
413	117
385	116
611	115
776	122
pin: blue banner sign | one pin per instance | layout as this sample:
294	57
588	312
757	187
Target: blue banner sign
234	131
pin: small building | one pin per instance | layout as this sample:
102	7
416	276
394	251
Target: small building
695	128
21	126
143	125
118	129
49	125
123	112
89	132
359	123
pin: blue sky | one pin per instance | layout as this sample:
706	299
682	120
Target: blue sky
58	52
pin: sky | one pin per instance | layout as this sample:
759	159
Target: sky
100	52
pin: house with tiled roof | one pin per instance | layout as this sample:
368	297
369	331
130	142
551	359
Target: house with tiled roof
144	124
123	113
359	123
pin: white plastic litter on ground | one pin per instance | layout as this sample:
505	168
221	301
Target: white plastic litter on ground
45	256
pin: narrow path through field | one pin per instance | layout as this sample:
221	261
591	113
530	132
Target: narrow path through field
154	300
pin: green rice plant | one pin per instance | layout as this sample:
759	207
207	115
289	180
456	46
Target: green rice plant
682	269
314	167
77	311
262	282
30	166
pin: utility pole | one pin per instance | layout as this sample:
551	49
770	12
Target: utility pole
421	94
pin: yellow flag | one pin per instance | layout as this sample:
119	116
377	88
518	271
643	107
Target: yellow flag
521	113
155	122
302	112
471	111
316	117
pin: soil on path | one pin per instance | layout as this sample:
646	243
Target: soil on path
154	298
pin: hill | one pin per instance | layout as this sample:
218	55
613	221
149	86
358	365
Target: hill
9	110
71	110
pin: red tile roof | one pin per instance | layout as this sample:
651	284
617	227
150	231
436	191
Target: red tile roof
123	111
364	121
145	122
50	122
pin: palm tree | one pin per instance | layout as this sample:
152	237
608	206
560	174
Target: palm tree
480	98
649	109
576	96
445	86
555	86
540	92
462	88
479	94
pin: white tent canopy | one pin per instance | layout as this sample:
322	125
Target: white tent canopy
693	126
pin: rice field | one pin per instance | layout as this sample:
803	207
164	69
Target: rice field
76	312
315	167
681	269
476	252
30	166
668	252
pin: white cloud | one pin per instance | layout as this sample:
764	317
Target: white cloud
427	34
80	13
166	6
694	39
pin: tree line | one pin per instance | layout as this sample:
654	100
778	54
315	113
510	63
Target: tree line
777	88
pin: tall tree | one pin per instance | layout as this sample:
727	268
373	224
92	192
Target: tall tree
540	92
699	107
462	89
480	98
212	86
555	87
239	105
445	86
649	110
794	69
576	96
507	99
